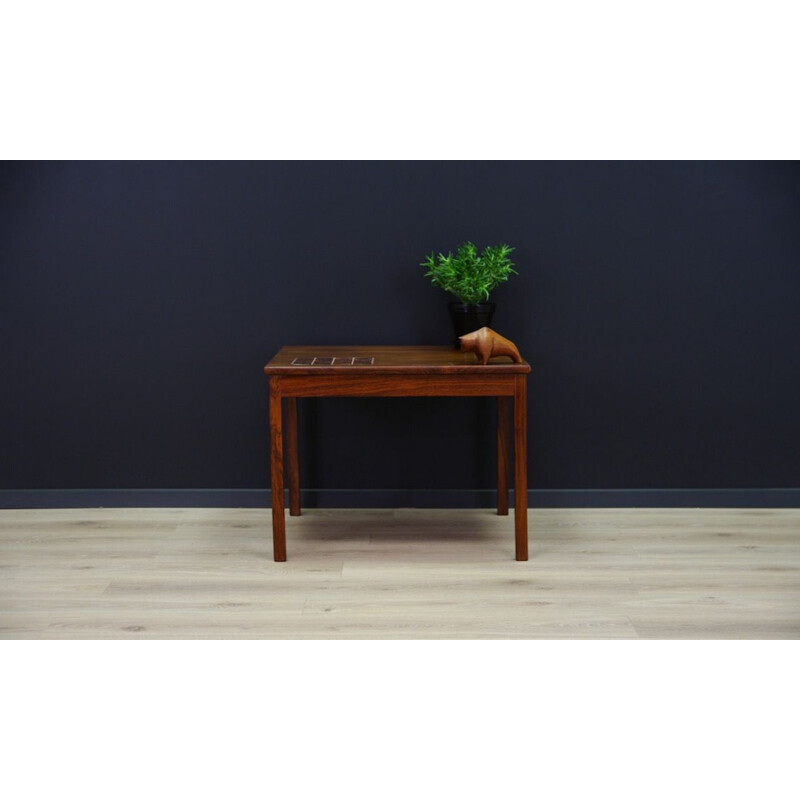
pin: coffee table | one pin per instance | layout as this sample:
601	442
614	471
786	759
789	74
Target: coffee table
381	371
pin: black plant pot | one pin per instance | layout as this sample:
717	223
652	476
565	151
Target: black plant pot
468	317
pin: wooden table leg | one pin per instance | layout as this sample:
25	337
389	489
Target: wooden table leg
292	459
503	418
276	468
521	469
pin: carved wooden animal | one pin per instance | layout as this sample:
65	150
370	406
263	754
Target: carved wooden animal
486	343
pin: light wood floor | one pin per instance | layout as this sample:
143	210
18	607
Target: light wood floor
399	574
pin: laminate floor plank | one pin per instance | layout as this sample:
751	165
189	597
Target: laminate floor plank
399	574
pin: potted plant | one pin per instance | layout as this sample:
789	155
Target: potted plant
470	277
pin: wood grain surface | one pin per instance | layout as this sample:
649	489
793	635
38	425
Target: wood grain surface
369	384
419	360
400	574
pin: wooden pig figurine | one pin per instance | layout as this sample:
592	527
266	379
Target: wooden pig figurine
486	343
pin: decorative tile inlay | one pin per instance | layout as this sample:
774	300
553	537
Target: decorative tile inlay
328	361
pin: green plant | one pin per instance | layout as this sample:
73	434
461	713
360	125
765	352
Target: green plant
467	275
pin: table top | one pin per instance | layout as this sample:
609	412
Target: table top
386	360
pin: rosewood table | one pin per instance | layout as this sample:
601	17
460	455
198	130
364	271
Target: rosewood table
436	371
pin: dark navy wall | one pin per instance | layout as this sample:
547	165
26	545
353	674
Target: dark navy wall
659	304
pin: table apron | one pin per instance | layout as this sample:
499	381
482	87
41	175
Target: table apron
457	385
